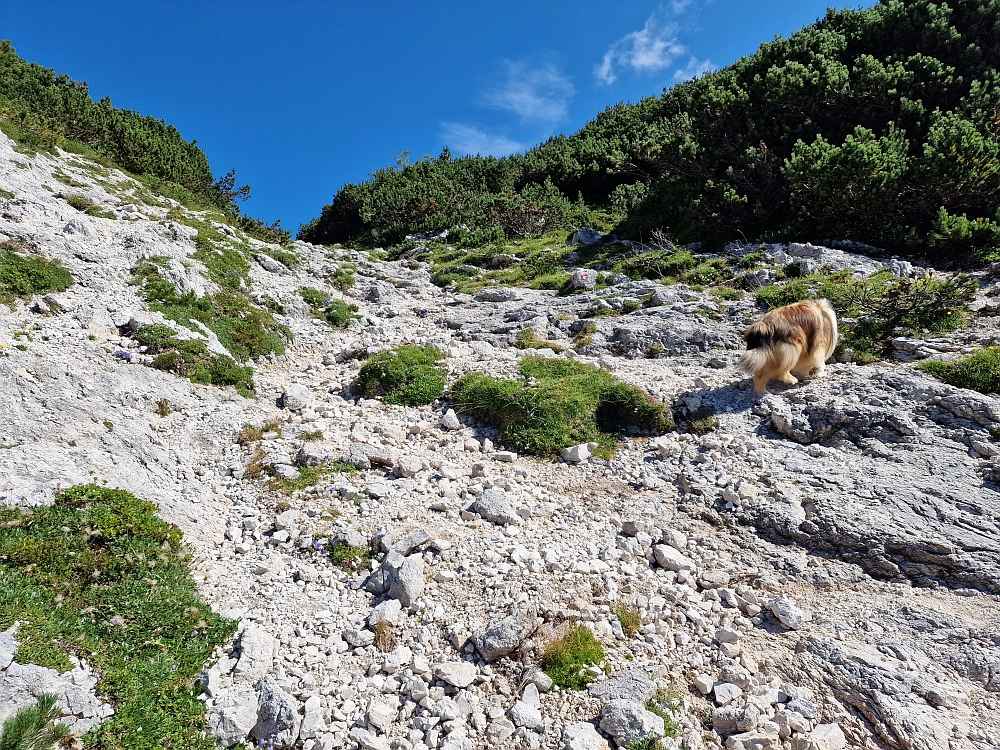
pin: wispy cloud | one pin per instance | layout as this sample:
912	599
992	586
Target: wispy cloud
535	92
468	139
651	49
693	69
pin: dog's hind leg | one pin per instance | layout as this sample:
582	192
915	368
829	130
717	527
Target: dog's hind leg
788	378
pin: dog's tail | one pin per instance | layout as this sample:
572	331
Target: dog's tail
769	345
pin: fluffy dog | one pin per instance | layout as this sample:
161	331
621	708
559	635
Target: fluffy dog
797	338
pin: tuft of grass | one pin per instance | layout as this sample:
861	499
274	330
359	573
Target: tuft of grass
660	704
406	375
249	434
343	278
255	466
163	407
559	403
34	727
308	476
336	312
7	194
529	339
385	639
100	576
311	436
350	558
565	658
628	618
980	371
22	276
875	310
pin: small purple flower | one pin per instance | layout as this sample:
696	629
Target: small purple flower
421	313
194	632
123	355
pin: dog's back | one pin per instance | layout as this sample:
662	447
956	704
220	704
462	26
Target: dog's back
798	337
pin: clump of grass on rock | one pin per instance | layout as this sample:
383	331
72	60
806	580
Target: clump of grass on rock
980	371
558	404
336	312
192	359
99	575
566	658
22	276
406	376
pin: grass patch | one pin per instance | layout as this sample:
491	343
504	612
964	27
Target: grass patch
660	704
193	360
336	312
565	658
249	434
875	310
163	407
343	278
245	329
23	276
311	436
980	371
308	476
385	639
529	339
628	618
98	575
559	403
406	375
7	194
350	558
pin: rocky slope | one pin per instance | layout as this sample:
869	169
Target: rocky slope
819	571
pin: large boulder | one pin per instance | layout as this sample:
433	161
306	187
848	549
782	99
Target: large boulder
629	721
504	636
494	506
296	397
257	649
232	717
278	717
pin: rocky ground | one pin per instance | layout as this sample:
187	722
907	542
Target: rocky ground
819	571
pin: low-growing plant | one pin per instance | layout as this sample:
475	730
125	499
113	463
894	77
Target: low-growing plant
34	727
350	558
22	276
875	310
311	436
163	407
336	312
566	658
559	403
529	339
660	704
343	278
80	202
100	576
980	371
249	434
628	618
385	638
255	465
308	477
407	375
193	360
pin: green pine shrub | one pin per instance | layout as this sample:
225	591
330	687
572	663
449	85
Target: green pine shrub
559	403
100	575
34	727
406	375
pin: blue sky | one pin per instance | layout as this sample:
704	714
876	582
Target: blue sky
302	97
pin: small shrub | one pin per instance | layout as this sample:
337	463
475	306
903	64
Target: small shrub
34	727
311	436
342	279
308	477
336	312
560	403
163	407
22	276
80	202
407	375
628	618
565	658
255	466
980	371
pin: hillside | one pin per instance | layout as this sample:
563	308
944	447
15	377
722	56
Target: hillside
879	125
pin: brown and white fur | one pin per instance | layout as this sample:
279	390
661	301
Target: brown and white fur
797	338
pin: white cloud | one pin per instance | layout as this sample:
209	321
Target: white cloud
651	49
467	139
693	69
534	92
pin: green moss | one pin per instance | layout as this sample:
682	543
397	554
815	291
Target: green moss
406	375
565	658
22	276
980	371
559	403
99	575
7	194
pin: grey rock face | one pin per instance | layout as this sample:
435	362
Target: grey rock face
628	722
583	736
278	717
583	278
496	295
365	455
584	236
297	397
269	264
233	717
494	506
257	649
631	685
505	636
400	577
